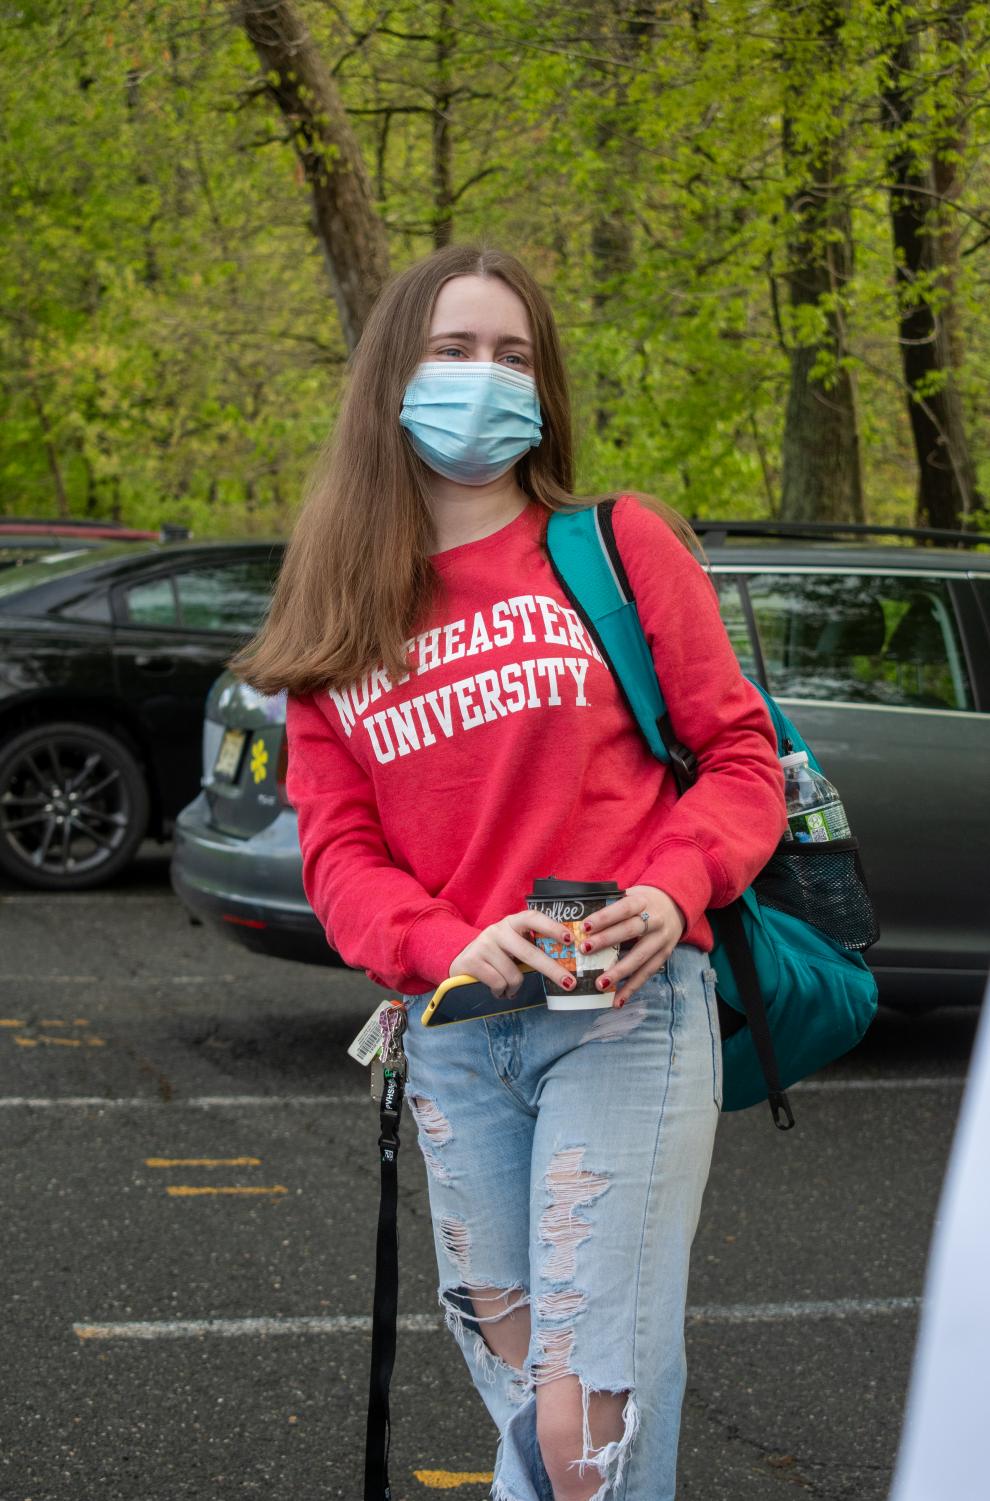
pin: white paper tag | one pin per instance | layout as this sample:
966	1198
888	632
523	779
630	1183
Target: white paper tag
368	1043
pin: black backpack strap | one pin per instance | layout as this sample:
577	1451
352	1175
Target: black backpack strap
607	532
386	1304
736	945
683	762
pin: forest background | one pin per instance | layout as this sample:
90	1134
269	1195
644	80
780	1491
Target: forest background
764	225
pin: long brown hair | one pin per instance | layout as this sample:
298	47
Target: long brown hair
356	580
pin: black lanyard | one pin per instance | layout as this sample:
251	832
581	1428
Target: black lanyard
386	1304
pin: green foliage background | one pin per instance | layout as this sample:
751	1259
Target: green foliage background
168	339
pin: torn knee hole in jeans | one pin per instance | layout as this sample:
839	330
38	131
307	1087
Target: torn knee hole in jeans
608	1459
462	1305
467	1309
455	1237
469	1300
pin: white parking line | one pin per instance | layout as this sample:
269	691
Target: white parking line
355	1097
141	979
841	1086
776	1313
84	898
423	1323
193	1102
42	979
408	1323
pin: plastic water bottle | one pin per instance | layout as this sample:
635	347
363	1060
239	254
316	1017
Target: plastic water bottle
814	809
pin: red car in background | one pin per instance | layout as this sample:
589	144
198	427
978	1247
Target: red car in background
24	537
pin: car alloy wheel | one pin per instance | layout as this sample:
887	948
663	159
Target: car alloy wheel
73	806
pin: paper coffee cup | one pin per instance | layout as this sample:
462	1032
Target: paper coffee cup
569	903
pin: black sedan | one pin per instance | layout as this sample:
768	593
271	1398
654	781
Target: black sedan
106	658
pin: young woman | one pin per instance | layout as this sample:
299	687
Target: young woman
453	734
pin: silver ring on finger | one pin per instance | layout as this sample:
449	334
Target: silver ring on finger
646	920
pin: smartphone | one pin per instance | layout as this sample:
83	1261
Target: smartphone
462	998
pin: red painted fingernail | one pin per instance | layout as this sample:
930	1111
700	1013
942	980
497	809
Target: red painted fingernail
569	983
586	948
604	983
587	927
619	1004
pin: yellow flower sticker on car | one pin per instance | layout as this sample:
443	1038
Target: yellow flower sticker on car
259	761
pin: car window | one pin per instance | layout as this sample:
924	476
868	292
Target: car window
152	602
230	596
860	638
982	587
29	570
94	608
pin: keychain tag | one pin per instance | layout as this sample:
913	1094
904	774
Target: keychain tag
368	1043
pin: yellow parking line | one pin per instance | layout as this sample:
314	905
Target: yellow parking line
447	1480
60	1042
77	1021
202	1161
64	1042
186	1190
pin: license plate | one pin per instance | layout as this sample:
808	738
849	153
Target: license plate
229	754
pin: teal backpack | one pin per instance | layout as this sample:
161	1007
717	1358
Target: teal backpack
793	988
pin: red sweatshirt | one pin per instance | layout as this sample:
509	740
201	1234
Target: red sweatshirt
427	808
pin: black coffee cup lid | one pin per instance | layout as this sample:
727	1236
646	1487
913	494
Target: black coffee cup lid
553	886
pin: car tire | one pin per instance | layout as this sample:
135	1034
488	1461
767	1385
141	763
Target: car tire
74	806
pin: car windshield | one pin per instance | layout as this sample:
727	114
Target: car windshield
53	565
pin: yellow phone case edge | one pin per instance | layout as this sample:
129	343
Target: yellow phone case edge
451	983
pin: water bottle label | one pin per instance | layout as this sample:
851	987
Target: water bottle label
820	825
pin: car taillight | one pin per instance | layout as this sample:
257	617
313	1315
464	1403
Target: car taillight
281	767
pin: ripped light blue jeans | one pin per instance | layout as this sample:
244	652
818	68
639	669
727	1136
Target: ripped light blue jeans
567	1154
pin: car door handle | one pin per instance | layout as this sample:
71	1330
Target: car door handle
158	665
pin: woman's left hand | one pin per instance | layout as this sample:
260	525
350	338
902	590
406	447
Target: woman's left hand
621	921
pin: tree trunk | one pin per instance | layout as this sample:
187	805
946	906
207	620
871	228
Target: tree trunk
821	477
443	191
611	231
947	488
132	95
51	451
347	224
947	181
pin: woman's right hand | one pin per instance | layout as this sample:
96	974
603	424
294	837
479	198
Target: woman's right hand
491	957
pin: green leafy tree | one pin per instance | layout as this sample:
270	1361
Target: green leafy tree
704	188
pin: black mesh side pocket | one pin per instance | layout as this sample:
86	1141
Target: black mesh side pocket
824	885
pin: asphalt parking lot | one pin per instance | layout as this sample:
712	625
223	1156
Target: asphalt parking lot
190	1190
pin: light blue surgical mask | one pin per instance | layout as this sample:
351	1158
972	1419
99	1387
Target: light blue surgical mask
470	420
